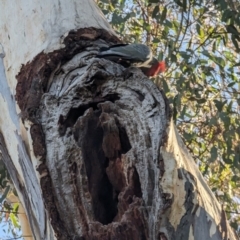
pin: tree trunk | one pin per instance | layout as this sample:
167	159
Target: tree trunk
90	145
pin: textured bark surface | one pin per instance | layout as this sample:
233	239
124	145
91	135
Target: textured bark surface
109	168
108	164
98	129
28	28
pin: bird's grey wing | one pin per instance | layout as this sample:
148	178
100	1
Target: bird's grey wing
129	52
144	50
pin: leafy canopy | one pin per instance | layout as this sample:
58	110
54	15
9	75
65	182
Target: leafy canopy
199	40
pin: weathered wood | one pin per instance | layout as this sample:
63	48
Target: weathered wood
109	165
102	130
27	29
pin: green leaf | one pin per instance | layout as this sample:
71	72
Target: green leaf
214	154
168	23
176	106
226	15
231	84
220	61
5	193
235	178
238	101
155	12
160	56
179	3
213	121
237	64
214	47
14	220
226	159
105	12
203	61
156	40
165	86
232	29
164	14
235	225
188	136
173	58
182	113
176	24
206	53
15	207
223	5
153	1
147	27
200	31
129	15
225	119
236	161
235	43
201	101
116	19
184	55
184	5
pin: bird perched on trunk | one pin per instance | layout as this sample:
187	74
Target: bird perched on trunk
136	55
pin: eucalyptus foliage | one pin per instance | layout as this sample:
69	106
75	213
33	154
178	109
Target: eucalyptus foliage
9	222
199	40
